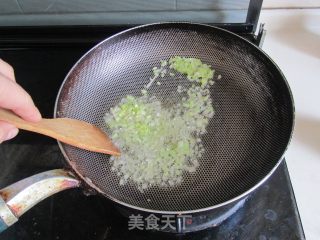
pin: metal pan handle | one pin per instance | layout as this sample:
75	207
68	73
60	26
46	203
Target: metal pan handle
19	197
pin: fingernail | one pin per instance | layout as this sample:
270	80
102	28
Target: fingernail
11	134
35	116
38	115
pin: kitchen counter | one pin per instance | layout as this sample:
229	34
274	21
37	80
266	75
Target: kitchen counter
293	42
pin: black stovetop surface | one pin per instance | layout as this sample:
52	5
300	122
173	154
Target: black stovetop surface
270	212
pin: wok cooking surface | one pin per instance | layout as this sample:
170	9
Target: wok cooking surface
270	211
244	141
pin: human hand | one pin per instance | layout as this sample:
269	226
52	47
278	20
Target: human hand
15	98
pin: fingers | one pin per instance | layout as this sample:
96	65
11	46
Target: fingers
7	131
15	98
7	70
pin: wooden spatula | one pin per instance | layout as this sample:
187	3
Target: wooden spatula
71	131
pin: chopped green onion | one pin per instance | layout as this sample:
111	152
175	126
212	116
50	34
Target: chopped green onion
193	68
160	144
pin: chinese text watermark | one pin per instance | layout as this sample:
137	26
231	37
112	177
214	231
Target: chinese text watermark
152	222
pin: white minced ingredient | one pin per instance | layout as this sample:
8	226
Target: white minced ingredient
158	145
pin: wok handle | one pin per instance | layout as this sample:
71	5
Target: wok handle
19	197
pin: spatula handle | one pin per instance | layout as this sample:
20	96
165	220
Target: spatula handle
44	126
71	131
12	118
